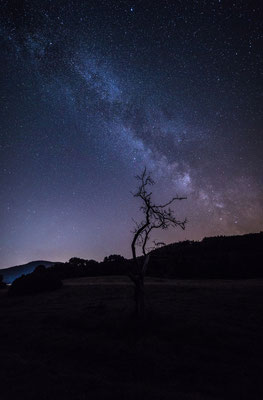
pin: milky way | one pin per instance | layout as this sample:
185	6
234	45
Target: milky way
91	92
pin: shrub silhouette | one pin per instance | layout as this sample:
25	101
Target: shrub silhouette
2	284
41	280
40	269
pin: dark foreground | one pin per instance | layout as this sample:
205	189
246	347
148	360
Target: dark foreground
199	340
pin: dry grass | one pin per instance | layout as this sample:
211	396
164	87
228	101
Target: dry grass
199	340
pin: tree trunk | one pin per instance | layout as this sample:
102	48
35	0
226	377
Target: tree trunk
139	297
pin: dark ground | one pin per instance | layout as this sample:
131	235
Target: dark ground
199	340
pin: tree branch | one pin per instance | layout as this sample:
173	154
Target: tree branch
156	217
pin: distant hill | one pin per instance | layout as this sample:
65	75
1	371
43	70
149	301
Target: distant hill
11	273
226	257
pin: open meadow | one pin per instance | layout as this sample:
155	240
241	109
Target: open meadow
198	340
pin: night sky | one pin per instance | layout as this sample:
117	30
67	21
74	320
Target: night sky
93	91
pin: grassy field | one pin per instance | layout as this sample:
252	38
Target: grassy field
199	340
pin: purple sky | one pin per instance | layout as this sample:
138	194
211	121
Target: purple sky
91	92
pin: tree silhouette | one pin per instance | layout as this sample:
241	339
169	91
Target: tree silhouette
114	258
154	217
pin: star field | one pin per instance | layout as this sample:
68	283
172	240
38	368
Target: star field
91	92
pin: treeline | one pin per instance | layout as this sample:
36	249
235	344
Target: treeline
223	257
226	257
44	279
40	280
79	267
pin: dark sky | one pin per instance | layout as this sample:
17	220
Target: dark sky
93	91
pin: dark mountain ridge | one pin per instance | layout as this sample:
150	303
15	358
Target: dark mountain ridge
11	273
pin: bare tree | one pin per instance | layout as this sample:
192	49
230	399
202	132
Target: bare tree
154	217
